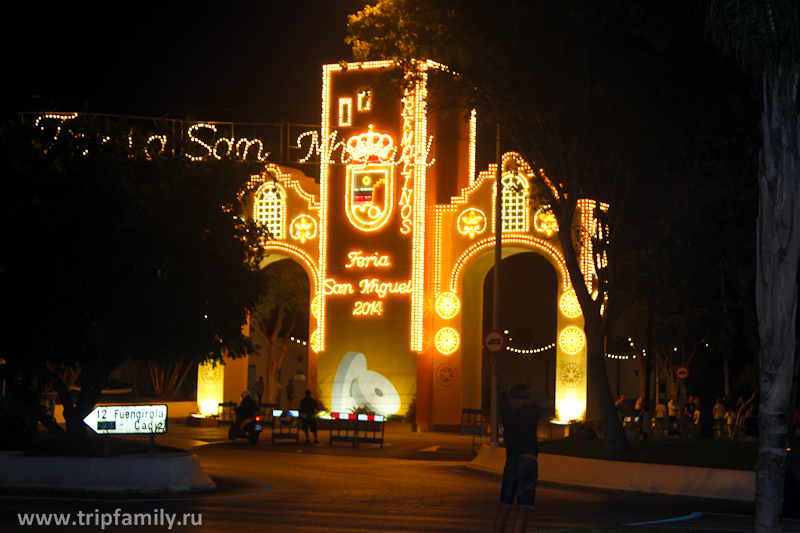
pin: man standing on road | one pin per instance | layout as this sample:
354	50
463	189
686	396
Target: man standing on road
308	414
520	414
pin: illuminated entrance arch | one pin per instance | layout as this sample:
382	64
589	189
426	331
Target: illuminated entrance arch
396	238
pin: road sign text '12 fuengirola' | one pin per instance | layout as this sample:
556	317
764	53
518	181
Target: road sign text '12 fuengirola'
123	419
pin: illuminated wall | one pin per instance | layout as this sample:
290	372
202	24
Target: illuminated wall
396	238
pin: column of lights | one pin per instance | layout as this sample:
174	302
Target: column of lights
318	337
421	146
439	212
473	133
510	239
587	229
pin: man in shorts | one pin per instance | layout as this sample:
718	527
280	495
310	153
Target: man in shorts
520	414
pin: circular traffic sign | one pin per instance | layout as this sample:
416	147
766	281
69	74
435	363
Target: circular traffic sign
682	372
286	418
494	341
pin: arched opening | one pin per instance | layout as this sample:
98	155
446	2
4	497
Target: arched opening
529	298
530	295
283	351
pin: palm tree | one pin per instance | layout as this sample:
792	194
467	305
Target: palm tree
765	36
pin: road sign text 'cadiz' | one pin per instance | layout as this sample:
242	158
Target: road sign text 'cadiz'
123	419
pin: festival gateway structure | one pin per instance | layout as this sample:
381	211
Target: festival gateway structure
397	239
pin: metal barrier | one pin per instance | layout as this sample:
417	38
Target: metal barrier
370	424
349	427
226	413
472	424
661	427
346	427
286	423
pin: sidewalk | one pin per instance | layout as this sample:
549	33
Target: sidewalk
401	443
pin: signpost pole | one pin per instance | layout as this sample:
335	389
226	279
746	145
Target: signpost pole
107	446
151	448
498	256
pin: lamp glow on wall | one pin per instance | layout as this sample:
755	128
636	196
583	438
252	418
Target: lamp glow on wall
210	383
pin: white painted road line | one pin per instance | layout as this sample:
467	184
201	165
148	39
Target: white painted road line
679	519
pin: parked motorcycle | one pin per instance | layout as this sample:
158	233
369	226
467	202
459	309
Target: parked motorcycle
249	428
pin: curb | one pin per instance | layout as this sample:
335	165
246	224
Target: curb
737	485
165	473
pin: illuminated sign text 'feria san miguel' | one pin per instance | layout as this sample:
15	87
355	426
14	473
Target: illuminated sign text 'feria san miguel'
397	238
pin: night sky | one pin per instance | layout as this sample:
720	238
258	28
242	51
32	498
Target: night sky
220	61
239	61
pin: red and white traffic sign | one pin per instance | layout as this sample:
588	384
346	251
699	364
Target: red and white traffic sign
682	372
494	341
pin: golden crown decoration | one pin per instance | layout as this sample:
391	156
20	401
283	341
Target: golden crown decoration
371	146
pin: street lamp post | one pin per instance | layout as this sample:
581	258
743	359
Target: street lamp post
498	256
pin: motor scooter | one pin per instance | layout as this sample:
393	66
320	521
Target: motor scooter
249	428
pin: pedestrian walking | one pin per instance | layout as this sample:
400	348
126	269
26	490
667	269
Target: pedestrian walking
260	389
520	414
308	415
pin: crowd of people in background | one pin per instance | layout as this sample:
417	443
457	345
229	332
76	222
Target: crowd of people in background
721	418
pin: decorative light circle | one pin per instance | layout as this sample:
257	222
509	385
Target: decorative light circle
447	305
314	341
446	374
571	340
571	375
211	373
471	222
446	341
569	305
545	221
303	228
316	303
